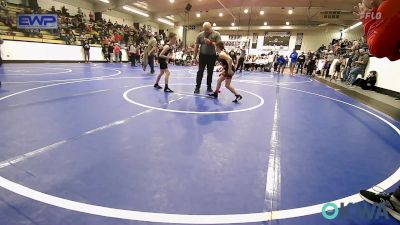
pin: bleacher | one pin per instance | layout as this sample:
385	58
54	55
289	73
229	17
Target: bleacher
12	32
69	31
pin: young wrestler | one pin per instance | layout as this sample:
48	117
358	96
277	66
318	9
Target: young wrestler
227	73
163	58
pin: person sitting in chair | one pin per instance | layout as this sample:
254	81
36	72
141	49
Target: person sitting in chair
369	82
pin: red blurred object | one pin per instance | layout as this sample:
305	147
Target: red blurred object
383	31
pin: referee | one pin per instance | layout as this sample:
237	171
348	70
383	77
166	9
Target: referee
206	40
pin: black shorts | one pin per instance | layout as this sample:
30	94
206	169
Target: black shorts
226	74
163	64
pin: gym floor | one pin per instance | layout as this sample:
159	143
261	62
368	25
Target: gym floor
97	144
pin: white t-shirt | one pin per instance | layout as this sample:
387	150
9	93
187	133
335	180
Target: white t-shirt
331	57
178	55
132	49
260	61
271	58
321	64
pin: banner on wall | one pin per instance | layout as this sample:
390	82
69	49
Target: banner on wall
299	41
235	37
254	41
276	40
233	41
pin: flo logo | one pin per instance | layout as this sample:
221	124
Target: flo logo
330	211
371	15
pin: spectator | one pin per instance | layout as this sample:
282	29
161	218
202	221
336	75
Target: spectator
80	11
336	47
131	54
345	44
9	20
178	60
64	11
109	23
3	5
264	63
111	51
281	64
338	68
391	200
91	17
105	52
151	50
329	60
287	61
1	59
117	52
241	59
253	63
86	51
276	64
270	62
322	48
359	68
117	38
259	64
368	83
301	60
184	55
106	40
137	53
63	35
120	54
307	58
353	56
311	64
293	61
232	54
355	46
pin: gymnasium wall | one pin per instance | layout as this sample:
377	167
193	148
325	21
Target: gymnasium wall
86	6
191	34
388	73
388	77
154	26
18	2
177	30
355	34
33	51
312	38
120	18
71	5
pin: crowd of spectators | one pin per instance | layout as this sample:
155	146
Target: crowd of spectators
348	59
340	60
82	29
74	29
